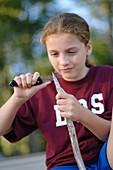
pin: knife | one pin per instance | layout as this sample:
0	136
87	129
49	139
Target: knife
39	81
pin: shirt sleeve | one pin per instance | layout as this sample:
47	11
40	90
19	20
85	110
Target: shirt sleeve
23	124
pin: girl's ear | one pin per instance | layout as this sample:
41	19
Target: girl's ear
89	48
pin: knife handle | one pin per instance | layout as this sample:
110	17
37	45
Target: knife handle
13	83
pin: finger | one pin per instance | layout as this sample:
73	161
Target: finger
61	102
39	87
18	81
29	77
24	80
44	84
63	108
36	75
66	114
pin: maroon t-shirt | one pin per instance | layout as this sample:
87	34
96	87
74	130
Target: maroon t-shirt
94	91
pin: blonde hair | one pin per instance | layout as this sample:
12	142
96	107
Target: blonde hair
67	23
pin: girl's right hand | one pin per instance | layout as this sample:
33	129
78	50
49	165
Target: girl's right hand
25	90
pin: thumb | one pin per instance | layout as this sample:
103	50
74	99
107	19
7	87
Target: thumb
39	87
43	85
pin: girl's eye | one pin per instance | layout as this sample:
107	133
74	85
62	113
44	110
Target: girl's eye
54	54
72	52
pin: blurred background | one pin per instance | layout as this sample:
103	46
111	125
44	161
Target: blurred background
21	22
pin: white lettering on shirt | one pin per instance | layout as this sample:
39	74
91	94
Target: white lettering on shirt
83	102
59	121
97	108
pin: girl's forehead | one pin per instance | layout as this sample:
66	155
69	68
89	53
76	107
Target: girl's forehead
63	41
66	37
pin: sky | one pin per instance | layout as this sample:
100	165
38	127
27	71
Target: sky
85	12
63	6
73	6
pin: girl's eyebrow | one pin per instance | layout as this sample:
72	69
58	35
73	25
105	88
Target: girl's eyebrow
72	48
66	50
52	50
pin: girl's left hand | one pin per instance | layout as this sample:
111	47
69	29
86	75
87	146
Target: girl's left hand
68	106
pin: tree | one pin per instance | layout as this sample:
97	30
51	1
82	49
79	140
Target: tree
20	25
102	10
19	37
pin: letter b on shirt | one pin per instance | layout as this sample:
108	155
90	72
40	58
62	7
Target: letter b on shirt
59	120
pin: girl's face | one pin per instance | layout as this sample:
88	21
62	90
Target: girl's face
67	54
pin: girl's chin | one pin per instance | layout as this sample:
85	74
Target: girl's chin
68	78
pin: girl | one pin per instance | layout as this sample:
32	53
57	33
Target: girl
86	99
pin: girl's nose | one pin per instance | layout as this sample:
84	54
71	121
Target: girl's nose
64	60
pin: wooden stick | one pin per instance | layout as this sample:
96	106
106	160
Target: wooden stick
72	134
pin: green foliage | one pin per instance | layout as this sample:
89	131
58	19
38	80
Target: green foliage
44	66
20	53
24	146
101	52
102	10
20	148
